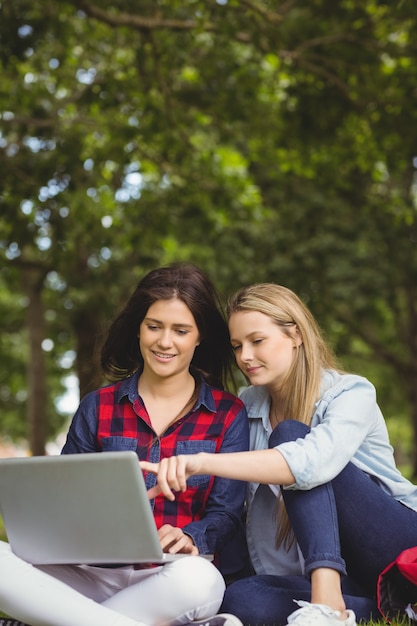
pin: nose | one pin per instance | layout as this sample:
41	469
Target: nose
246	353
165	339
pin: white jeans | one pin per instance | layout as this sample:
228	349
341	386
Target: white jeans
81	595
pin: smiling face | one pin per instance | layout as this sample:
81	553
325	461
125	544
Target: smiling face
264	350
168	337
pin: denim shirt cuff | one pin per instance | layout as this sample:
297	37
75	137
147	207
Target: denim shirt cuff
198	536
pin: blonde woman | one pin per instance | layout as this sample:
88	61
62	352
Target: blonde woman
327	508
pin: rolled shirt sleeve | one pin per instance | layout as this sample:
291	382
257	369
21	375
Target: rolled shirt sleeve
347	423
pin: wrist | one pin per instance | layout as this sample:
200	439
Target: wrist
203	463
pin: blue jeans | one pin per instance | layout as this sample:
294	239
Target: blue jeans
268	600
349	524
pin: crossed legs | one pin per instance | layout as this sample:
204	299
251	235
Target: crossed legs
177	593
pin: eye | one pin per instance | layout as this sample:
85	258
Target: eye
236	348
255	341
182	331
152	326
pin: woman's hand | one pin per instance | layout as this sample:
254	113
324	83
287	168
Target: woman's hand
258	466
174	541
172	473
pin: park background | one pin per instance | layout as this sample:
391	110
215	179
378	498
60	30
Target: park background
262	140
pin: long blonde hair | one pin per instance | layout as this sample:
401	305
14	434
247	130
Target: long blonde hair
301	388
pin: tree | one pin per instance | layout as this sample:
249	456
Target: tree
262	140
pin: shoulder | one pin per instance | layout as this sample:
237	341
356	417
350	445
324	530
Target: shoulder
335	383
108	394
225	398
216	399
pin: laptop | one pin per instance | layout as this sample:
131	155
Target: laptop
79	508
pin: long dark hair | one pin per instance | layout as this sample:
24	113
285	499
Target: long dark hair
213	357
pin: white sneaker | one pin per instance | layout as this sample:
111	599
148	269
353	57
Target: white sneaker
410	611
222	619
319	615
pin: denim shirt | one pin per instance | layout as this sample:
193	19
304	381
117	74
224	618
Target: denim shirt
347	425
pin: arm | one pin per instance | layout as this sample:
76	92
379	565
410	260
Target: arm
82	433
349	414
344	426
262	466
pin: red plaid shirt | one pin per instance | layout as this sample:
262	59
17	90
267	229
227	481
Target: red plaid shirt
115	418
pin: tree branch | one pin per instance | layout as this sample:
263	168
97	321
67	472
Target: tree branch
264	13
138	22
329	39
330	78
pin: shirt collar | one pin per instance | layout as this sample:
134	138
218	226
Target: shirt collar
257	402
129	387
205	397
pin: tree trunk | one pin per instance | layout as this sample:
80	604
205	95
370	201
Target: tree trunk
86	326
36	375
